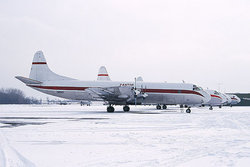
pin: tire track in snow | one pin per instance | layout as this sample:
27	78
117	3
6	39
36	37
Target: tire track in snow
9	157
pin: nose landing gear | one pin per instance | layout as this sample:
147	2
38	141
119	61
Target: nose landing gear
188	110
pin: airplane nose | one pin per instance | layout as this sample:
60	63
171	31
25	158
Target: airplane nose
239	100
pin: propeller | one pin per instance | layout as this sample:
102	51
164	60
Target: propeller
135	93
139	93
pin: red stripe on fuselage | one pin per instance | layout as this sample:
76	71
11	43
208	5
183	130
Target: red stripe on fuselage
216	96
39	63
103	75
59	87
171	91
143	90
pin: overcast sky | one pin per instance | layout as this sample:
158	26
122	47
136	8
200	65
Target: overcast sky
206	42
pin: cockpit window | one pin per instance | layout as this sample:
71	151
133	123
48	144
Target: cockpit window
216	93
196	88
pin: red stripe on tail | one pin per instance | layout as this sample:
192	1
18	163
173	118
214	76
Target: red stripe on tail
39	63
103	75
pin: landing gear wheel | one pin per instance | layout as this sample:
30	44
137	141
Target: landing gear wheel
126	108
210	108
188	110
164	107
220	106
110	109
158	107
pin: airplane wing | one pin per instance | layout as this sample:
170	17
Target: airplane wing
118	95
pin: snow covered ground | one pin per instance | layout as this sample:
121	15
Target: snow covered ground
88	136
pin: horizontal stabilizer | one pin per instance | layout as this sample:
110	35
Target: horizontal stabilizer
27	81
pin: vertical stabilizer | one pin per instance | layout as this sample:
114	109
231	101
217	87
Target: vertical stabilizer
103	74
139	79
40	70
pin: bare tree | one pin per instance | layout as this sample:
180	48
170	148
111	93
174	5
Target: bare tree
15	96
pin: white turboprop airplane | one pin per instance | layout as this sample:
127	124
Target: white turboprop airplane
217	99
113	92
227	99
221	99
234	99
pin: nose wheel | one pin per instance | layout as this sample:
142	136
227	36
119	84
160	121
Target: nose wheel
188	110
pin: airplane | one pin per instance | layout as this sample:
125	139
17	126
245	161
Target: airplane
217	99
234	99
221	99
227	99
42	79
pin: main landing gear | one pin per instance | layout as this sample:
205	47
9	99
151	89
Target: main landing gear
126	108
110	108
164	107
211	108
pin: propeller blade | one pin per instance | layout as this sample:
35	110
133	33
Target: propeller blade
135	93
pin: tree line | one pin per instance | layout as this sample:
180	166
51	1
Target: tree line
15	96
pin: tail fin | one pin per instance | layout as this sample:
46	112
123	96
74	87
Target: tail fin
139	79
40	70
103	74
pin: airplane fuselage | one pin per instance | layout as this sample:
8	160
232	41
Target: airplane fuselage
158	93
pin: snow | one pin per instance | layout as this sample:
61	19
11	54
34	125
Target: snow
51	135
